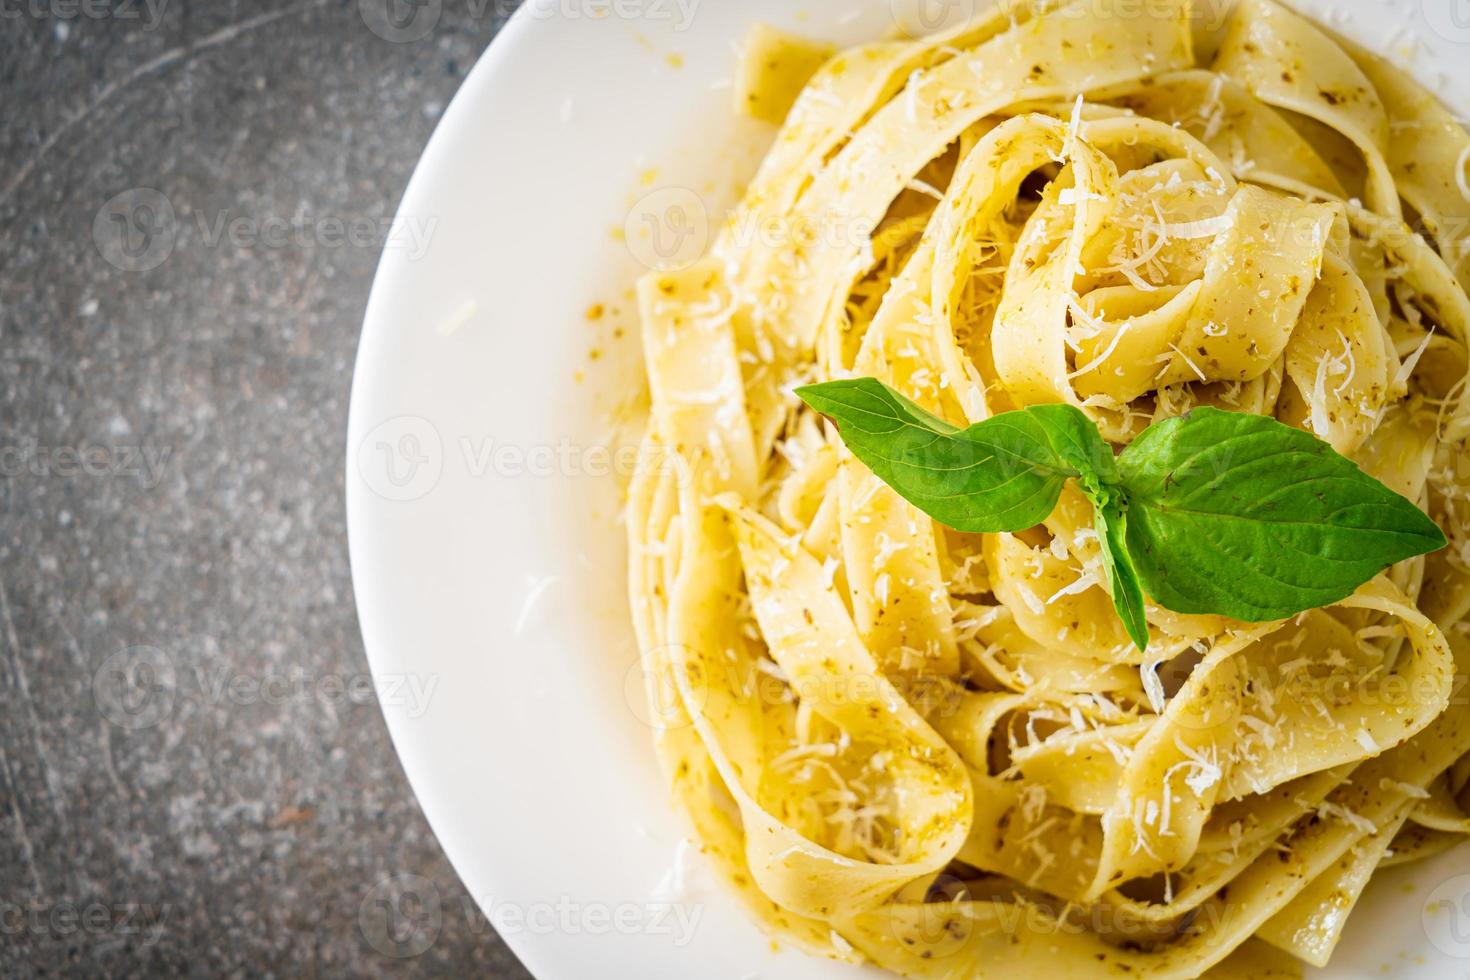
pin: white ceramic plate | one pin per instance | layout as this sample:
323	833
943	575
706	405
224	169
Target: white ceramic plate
487	553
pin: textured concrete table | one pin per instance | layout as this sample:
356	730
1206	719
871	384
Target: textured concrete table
194	778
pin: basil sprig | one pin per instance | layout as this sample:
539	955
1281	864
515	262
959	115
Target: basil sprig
1215	512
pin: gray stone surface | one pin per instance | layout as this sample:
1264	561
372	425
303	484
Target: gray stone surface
185	786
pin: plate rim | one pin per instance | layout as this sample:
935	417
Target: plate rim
478	85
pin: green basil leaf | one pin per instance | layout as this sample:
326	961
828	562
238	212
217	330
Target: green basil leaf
1242	516
1075	438
1003	474
1112	530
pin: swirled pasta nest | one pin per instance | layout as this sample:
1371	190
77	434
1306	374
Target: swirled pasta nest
938	751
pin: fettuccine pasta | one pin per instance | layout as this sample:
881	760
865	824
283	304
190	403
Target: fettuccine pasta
939	752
